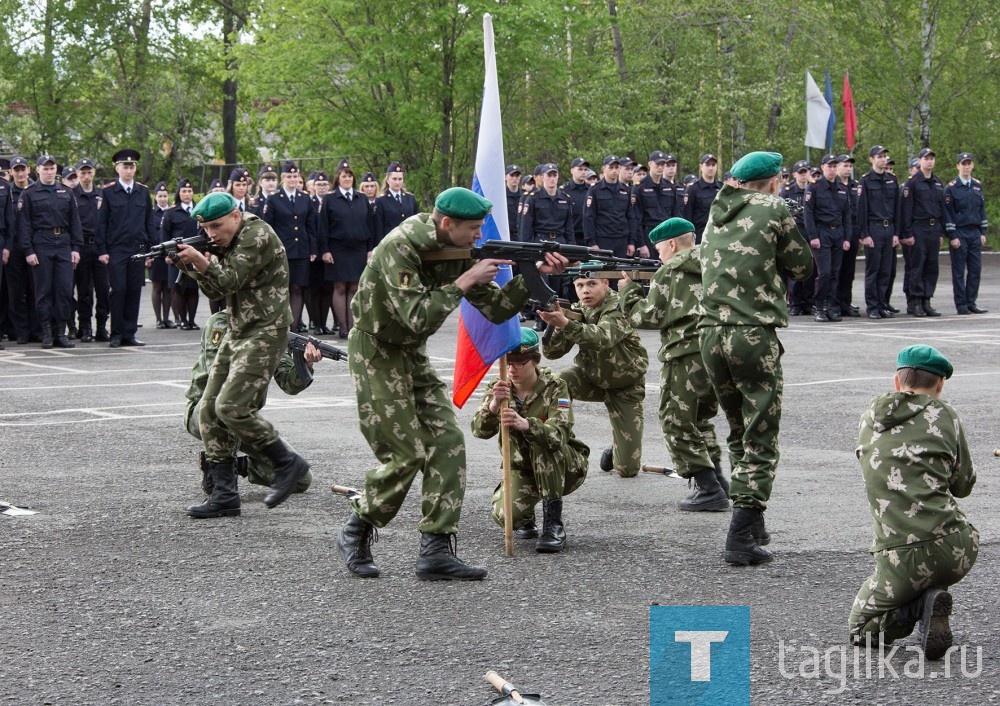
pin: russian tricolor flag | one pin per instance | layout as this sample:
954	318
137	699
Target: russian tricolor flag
480	342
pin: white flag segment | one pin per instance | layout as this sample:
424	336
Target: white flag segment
817	114
489	169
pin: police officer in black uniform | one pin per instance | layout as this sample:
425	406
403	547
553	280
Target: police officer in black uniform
576	188
845	282
547	216
512	180
878	200
828	221
91	273
292	216
267	184
51	238
6	235
20	284
126	227
965	224
608	219
800	293
654	197
395	204
922	218
700	194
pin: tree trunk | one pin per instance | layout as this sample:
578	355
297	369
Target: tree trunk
772	120
141	31
616	36
233	21
928	36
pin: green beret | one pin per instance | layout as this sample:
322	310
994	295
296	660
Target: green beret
670	228
925	358
757	165
213	207
462	204
529	341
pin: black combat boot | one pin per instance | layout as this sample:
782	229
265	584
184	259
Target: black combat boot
935	630
528	530
102	330
708	495
721	476
439	562
86	333
46	333
289	468
71	330
928	309
206	474
759	531
355	545
225	499
61	339
741	547
915	307
553	537
607	462
833	313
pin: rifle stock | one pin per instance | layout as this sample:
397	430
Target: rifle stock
297	344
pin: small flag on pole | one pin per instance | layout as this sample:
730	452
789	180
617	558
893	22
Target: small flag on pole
817	114
850	117
833	116
481	342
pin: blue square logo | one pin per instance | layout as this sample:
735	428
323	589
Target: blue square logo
699	655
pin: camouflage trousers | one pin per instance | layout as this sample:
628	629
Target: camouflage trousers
687	407
260	470
902	574
624	406
551	475
407	418
744	367
235	392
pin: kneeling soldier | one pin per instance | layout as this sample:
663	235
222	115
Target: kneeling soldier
547	461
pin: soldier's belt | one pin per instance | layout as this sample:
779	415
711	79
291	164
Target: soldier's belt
884	222
90	240
550	236
830	225
53	231
926	221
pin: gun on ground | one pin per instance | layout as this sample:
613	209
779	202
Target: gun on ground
168	248
297	345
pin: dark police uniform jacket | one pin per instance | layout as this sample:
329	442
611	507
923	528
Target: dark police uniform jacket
921	207
828	211
349	224
513	199
295	223
698	198
852	198
389	212
6	216
578	197
48	219
655	203
177	223
878	201
89	206
547	218
125	221
965	208
608	215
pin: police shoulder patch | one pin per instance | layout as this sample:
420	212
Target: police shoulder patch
809	195
906	191
404	278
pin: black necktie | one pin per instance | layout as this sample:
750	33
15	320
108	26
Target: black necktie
128	189
399	199
292	199
347	195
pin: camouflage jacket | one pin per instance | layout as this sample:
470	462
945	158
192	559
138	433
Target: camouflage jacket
673	305
252	275
749	245
915	461
211	336
402	300
549	414
611	355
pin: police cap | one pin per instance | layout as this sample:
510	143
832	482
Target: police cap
125	156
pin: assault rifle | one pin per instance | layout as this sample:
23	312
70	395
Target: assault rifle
297	345
635	273
168	248
794	207
525	255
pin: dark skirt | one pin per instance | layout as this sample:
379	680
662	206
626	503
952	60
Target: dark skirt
348	264
183	283
158	270
317	272
298	271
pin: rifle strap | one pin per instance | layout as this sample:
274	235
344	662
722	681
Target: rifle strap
445	254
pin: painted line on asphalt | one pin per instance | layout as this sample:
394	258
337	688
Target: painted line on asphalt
834	381
70	371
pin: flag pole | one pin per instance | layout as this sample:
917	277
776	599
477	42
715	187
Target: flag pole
508	498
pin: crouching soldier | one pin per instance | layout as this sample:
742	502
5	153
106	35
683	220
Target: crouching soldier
253	465
547	461
915	460
610	366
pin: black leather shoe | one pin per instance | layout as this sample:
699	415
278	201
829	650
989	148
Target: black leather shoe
886	314
607	462
833	315
874	314
891	308
821	316
438	560
853	311
102	335
116	342
976	310
134	342
167	323
160	324
795	311
355	545
963	311
928	309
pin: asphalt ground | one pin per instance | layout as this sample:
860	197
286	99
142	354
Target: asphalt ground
112	595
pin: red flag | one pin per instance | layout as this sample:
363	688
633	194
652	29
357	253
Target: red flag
850	117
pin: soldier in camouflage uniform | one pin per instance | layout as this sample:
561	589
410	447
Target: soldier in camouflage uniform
404	409
250	271
687	400
916	461
749	244
547	461
610	367
254	465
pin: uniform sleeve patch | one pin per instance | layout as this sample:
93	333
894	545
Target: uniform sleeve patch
216	338
404	278
563	403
